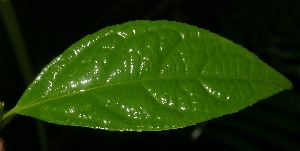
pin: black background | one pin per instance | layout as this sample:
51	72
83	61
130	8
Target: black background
268	28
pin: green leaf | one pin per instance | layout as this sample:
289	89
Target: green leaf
148	75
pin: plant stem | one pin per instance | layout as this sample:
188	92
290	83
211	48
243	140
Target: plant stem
14	33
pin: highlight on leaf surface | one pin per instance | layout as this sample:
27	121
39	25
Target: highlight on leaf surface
146	76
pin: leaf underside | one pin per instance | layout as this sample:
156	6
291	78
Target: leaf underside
148	75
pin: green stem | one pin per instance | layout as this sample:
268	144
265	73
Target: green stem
1	114
16	38
14	33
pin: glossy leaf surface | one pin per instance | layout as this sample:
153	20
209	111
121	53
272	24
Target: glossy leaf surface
148	75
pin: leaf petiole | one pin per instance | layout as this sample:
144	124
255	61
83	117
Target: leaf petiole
5	118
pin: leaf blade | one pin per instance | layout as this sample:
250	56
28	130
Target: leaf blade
146	75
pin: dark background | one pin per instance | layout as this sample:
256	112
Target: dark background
268	28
